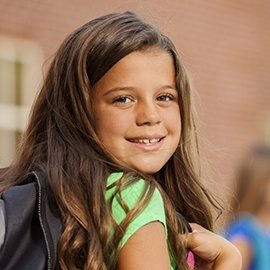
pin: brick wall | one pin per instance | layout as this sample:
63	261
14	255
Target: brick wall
225	45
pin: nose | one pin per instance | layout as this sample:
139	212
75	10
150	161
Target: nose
148	114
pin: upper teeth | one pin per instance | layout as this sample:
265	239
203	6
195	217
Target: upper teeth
146	141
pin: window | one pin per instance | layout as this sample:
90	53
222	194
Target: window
20	73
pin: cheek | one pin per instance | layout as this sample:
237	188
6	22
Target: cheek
173	121
178	128
109	124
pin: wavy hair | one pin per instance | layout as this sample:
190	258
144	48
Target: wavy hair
60	140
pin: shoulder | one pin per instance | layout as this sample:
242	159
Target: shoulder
243	221
130	196
131	193
245	226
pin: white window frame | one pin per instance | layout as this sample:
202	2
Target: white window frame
14	115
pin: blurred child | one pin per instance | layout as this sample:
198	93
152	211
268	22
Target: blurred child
249	230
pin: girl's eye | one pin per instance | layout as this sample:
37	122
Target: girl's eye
122	99
165	97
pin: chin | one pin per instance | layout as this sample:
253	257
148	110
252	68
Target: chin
146	170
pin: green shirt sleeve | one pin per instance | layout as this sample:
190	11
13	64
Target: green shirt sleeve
153	211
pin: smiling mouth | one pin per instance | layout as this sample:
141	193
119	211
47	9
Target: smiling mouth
146	141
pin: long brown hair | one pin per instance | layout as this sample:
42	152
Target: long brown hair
60	140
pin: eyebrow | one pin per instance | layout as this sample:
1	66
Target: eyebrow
126	88
115	89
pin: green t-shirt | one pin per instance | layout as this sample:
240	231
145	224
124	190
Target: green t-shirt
153	211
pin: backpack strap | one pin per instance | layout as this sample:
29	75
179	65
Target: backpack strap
2	222
49	218
33	226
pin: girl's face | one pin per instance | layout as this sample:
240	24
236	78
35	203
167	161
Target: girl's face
136	110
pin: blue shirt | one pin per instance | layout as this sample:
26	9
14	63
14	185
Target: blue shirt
246	227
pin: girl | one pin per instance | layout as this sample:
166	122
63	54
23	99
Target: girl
249	229
113	131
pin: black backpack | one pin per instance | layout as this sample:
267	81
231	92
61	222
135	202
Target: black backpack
32	226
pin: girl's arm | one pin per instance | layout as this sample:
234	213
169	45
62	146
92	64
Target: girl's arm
216	251
146	249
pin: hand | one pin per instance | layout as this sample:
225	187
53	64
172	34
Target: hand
216	252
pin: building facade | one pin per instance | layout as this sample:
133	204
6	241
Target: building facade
224	44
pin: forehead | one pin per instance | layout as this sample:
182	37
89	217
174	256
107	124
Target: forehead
149	59
140	68
145	57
